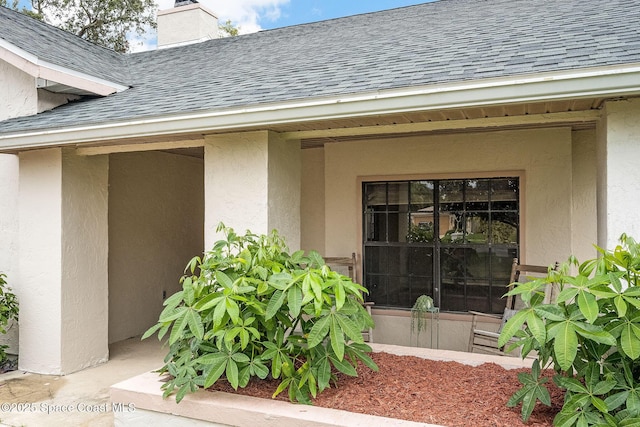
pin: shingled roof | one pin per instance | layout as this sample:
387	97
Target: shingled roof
62	48
440	42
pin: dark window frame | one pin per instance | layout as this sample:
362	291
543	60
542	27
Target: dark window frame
398	289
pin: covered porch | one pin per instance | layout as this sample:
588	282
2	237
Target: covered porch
572	160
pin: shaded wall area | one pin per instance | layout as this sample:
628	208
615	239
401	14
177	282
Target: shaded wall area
156	225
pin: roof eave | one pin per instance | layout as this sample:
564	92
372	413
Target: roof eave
613	81
39	68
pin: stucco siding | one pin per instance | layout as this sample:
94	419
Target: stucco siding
619	175
543	156
156	217
9	234
84	298
584	216
18	94
40	267
312	201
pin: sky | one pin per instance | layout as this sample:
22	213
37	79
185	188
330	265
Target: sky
255	15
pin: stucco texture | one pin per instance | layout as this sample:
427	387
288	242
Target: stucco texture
619	175
18	94
156	217
543	159
252	182
557	182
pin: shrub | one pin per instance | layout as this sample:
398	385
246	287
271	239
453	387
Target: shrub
248	308
590	336
8	312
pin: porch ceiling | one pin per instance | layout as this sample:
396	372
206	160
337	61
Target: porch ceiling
578	114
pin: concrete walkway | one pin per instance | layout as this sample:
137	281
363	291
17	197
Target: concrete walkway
79	399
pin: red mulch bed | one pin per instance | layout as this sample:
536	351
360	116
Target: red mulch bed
414	389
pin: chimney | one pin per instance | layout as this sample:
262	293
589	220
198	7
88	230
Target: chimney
188	22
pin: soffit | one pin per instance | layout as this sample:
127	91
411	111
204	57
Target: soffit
578	114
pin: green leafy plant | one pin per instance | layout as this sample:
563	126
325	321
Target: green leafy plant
422	306
590	336
8	312
248	308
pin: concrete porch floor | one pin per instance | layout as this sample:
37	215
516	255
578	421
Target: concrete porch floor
78	399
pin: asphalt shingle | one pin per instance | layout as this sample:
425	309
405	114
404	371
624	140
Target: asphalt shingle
441	42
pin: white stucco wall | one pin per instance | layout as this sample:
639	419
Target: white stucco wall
85	243
9	234
544	156
39	289
619	175
62	280
558	189
584	215
312	201
156	217
252	181
18	94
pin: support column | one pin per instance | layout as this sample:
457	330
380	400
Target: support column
63	269
618	172
252	181
9	235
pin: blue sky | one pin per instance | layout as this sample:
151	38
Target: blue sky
255	15
302	11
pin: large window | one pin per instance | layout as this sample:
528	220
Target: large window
451	239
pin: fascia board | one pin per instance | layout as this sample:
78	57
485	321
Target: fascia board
601	82
38	68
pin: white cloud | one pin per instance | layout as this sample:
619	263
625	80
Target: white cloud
245	14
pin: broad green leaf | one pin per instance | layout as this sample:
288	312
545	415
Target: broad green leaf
208	301
219	312
324	374
244	376
318	332
336	336
570	384
567	294
598	336
528	403
511	327
217	369
316	287
171	315
537	327
621	305
630	422
615	400
178	328
588	306
195	324
550	312
633	403
349	328
275	302
152	330
604	387
344	366
232	373
233	309
565	345
338	289
294	300
629	341
223	279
